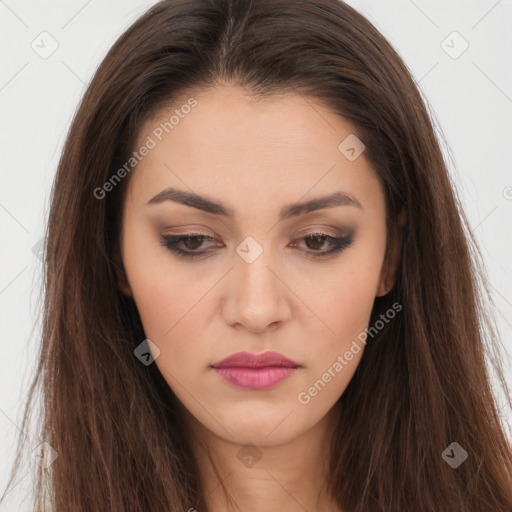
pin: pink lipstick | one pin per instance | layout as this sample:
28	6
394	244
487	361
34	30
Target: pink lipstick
255	371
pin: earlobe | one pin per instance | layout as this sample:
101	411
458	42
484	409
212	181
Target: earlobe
389	268
122	281
385	284
124	286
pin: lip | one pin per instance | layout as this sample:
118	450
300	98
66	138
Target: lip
255	371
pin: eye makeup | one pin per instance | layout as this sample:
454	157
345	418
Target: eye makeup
188	245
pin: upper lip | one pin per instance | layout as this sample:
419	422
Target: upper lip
250	360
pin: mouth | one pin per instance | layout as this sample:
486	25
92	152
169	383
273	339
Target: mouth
255	378
255	371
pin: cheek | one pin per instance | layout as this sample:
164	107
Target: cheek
348	293
171	306
168	298
172	313
344	300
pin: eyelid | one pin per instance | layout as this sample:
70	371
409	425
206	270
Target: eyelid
326	231
338	242
187	231
305	232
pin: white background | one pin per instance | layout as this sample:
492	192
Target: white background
470	97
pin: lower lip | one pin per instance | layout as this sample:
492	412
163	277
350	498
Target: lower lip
255	378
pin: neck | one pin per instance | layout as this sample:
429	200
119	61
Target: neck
243	477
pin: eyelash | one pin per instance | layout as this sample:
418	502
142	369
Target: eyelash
171	242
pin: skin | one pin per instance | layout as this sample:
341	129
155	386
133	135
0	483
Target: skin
255	156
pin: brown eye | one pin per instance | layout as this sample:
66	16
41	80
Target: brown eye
193	242
190	243
315	241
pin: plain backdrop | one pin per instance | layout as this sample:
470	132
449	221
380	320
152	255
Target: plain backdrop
458	52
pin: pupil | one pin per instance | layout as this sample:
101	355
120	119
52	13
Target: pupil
319	241
190	241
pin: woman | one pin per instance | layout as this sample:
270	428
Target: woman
260	290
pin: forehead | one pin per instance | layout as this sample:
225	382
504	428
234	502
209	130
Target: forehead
231	141
228	118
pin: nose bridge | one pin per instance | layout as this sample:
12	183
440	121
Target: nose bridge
255	280
256	298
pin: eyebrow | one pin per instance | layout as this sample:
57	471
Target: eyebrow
217	208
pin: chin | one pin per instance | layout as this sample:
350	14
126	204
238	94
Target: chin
271	430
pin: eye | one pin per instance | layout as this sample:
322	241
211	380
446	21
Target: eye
191	241
315	241
188	245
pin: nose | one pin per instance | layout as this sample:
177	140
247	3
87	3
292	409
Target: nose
256	296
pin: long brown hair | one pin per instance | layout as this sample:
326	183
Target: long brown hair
423	383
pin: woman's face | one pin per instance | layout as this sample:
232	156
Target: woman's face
269	274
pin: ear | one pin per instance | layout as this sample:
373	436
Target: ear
389	267
122	280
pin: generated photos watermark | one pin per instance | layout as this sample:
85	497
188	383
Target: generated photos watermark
304	397
150	143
